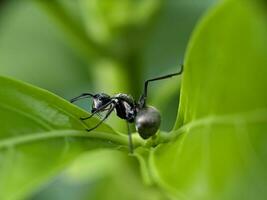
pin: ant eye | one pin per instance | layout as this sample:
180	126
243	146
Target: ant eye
103	96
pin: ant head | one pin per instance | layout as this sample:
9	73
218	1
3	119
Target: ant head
101	96
99	100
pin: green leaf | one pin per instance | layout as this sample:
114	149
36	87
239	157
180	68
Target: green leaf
39	135
221	146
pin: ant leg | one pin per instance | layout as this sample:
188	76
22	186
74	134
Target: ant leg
82	96
97	110
142	99
107	115
131	147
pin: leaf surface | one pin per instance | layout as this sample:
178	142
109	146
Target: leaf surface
40	134
220	149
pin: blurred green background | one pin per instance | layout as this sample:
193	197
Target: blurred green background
74	46
69	47
217	149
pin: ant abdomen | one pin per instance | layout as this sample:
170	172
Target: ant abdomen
147	121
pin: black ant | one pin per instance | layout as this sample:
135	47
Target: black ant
146	118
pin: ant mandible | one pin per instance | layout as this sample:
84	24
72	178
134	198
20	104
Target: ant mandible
146	118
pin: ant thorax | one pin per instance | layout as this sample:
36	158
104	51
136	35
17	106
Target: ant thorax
125	107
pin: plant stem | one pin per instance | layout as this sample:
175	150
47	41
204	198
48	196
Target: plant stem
134	73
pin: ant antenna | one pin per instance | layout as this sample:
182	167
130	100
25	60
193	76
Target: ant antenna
82	96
